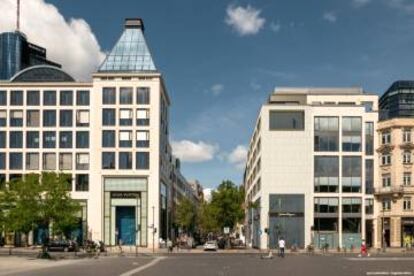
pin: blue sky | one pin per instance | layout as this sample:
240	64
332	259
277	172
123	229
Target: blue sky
221	59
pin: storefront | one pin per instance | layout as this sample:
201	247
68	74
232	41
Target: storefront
407	231
125	211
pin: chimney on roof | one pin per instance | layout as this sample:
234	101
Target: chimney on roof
134	23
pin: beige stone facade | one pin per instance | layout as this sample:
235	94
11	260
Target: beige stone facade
394	190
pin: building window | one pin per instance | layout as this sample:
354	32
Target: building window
143	95
125	95
142	139
143	117
16	97
66	118
82	118
82	139
386	204
32	139
407	135
82	97
33	118
326	174
49	161
407	204
108	139
351	174
369	206
66	97
82	161
32	161
386	180
3	139
108	160
369	176
49	118
109	95
386	138
125	139
286	120
407	157
326	205
125	117
15	161
67	178
125	160
2	161
142	160
65	139
369	138
108	117
82	183
16	118
49	97
33	98
65	161
326	133
3	97
351	134
407	179
3	117
49	139
351	205
16	139
386	159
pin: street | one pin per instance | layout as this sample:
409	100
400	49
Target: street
231	264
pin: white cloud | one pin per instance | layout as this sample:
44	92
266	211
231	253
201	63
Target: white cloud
238	157
244	20
194	152
69	42
216	89
402	5
360	3
275	27
330	17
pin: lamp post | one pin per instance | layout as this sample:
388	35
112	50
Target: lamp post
136	225
383	229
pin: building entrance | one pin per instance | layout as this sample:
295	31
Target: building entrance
125	224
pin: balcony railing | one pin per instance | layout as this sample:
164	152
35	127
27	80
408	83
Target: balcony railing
391	190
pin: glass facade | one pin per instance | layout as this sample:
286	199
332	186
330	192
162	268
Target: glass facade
397	101
326	134
326	174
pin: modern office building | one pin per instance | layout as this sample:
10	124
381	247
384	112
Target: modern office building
395	191
310	169
110	134
17	53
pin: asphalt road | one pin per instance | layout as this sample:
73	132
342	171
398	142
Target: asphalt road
235	264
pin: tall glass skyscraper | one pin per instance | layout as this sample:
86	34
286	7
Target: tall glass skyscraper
16	54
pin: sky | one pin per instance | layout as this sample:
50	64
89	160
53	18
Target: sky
221	59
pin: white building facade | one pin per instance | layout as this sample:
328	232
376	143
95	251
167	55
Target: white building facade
110	135
309	175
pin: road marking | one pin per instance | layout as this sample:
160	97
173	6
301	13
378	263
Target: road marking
390	273
382	259
141	268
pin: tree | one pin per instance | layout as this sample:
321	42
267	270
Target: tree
227	204
186	214
22	204
57	207
206	221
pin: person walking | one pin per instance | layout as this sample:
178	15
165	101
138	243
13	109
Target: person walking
281	247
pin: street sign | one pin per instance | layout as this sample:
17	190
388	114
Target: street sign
226	230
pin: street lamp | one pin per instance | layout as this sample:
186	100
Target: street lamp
153	229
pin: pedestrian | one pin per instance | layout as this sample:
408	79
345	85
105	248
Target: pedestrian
364	251
281	247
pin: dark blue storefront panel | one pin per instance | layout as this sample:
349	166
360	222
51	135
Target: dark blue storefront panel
125	223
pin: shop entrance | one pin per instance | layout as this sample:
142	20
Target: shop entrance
407	229
125	225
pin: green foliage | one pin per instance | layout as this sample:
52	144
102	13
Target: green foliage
26	203
186	214
227	204
206	219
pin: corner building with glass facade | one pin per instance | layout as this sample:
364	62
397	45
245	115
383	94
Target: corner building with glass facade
110	135
309	175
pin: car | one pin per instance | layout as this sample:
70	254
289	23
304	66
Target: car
62	245
210	246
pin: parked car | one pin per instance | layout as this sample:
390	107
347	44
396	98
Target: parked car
210	246
62	245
